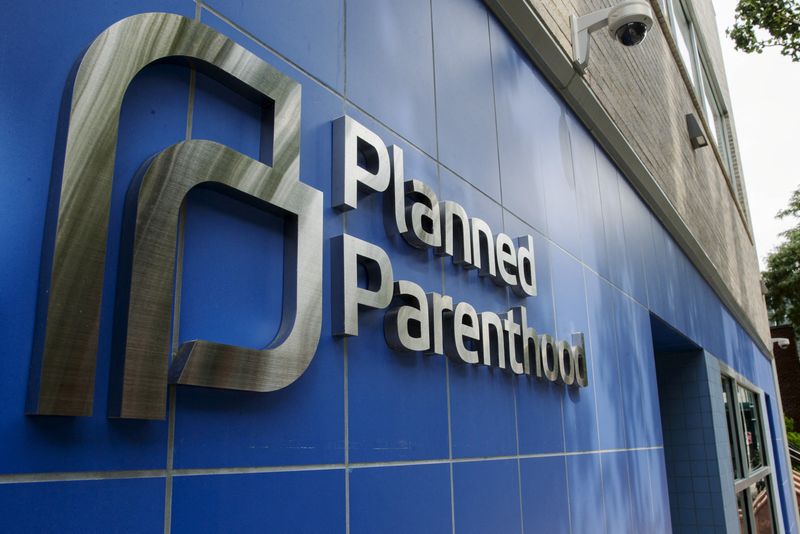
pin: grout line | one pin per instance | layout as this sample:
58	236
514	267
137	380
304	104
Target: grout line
519	463
494	106
449	438
344	45
569	498
410	143
346	442
75	476
435	96
346	399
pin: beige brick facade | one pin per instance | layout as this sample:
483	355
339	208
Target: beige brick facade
646	93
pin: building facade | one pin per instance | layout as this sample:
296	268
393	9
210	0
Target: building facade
371	266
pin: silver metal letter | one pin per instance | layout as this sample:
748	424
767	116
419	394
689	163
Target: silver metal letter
566	363
482	259
492	327
506	260
351	140
451	212
530	341
407	327
454	344
548	358
526	268
422	216
579	350
65	351
346	253
438	305
395	205
513	330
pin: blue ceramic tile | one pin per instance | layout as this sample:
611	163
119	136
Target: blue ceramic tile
617	492
545	505
310	33
637	372
228	428
541	313
555	169
586	507
480	396
390	66
478	510
609	179
539	416
464	97
520	93
386	421
591	227
635	221
133	505
153	116
271	502
580	416
400	499
605	376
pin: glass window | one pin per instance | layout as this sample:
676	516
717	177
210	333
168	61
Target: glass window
752	473
762	508
751	425
730	413
744	519
684	38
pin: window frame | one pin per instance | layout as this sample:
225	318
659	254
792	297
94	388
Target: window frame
746	476
698	74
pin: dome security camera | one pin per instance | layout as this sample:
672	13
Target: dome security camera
782	342
628	22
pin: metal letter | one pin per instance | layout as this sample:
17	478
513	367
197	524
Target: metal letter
492	326
526	268
513	330
395	205
566	363
454	344
422	216
400	323
437	306
579	351
506	261
482	259
548	358
65	348
346	253
351	140
451	212
530	342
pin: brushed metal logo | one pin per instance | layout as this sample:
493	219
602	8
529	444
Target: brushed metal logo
65	349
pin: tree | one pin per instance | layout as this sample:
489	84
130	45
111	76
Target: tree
767	23
783	271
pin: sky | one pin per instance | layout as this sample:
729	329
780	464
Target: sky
765	101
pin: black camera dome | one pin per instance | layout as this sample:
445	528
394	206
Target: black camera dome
632	33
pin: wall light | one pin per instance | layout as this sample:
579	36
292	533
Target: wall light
696	134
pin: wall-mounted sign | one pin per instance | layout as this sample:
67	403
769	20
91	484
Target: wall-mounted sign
65	344
431	322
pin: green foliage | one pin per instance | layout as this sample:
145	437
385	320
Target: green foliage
791	435
767	23
783	271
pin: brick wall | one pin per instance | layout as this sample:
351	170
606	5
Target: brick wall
788	364
644	90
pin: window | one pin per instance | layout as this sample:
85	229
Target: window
752	472
691	54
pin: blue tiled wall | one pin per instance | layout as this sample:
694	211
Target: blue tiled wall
368	439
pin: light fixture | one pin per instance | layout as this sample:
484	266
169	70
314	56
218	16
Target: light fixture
628	22
696	134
